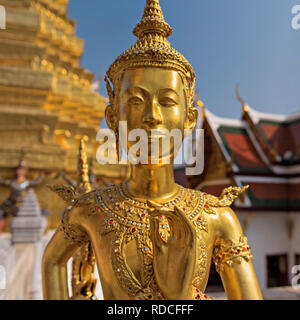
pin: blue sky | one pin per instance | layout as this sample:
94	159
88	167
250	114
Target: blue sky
250	42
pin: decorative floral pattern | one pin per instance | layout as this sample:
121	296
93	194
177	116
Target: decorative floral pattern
229	252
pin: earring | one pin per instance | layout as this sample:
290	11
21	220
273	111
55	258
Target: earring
117	145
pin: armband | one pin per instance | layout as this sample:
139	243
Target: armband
229	252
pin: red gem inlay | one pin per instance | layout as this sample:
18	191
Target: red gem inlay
206	206
133	230
111	221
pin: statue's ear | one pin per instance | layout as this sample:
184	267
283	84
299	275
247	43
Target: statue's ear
191	118
110	116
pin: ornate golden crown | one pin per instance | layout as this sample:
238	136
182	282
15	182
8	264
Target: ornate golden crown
152	49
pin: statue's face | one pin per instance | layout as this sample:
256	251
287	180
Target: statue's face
152	99
21	172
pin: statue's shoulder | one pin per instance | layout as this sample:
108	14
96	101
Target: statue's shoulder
71	197
213	204
226	198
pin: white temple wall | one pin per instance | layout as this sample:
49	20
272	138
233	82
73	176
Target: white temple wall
267	234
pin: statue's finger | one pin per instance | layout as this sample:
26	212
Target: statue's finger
174	224
188	228
154	233
154	204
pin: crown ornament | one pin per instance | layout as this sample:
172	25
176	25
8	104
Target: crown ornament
152	49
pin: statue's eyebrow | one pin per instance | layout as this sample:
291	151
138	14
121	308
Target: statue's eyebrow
133	89
166	90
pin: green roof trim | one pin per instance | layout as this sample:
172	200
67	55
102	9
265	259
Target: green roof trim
272	203
240	131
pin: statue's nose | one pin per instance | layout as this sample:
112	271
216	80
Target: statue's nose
152	116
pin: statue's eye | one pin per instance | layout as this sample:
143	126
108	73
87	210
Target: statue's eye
167	102
135	100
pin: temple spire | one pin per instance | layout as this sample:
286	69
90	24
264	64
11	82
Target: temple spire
83	182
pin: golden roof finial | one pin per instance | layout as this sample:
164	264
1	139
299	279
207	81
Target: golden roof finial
152	49
240	99
200	104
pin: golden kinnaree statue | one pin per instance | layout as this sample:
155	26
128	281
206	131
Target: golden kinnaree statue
152	238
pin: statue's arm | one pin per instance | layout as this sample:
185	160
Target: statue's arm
70	181
233	259
69	236
66	178
4	182
37	181
54	266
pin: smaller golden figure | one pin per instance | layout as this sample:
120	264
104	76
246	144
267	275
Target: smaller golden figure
83	264
152	238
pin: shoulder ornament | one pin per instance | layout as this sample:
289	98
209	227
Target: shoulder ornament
226	198
69	195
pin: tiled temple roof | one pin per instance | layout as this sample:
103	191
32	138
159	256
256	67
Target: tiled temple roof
261	150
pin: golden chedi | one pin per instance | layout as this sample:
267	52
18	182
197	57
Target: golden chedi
152	238
48	101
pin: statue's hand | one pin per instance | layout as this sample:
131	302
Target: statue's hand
173	260
59	175
84	290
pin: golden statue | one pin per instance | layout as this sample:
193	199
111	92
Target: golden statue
152	238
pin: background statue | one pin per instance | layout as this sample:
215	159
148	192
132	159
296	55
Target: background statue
18	187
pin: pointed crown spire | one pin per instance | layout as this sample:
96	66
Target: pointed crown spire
152	49
153	21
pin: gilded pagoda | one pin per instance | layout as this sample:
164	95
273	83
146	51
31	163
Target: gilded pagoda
47	102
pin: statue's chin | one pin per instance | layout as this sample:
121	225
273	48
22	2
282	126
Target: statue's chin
148	159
